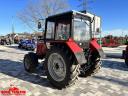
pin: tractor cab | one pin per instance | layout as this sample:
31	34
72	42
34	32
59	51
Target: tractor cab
76	25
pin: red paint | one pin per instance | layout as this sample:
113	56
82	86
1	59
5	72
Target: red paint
41	48
94	45
73	46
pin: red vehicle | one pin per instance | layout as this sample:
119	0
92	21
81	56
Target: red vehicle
110	41
125	55
68	48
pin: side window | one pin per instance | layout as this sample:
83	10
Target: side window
50	30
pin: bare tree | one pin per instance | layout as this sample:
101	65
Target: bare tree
84	4
40	9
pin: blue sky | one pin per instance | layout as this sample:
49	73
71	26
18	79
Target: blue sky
114	15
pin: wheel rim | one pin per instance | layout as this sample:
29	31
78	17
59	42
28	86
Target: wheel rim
26	63
56	67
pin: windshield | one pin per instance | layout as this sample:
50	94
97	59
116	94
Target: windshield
81	29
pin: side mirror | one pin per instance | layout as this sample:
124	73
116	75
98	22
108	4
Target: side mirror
97	24
39	25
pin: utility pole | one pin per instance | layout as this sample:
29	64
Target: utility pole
13	29
101	38
122	37
85	4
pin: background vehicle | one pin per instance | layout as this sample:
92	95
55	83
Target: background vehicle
27	44
110	41
21	43
30	45
125	55
2	41
5	41
68	48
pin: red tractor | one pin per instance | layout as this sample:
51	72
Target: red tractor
67	48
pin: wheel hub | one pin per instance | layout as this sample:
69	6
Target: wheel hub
56	67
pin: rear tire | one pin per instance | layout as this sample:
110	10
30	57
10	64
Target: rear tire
67	70
30	62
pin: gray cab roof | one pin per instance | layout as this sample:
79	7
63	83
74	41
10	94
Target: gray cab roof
69	14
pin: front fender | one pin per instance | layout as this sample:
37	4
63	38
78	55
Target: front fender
95	47
77	51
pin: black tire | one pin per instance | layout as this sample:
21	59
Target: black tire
19	46
126	58
93	69
31	60
126	62
33	49
72	70
27	49
123	54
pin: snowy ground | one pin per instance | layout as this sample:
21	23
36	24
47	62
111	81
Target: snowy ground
114	52
112	79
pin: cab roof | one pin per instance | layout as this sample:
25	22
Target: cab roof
66	15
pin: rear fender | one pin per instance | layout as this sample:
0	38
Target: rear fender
95	47
77	51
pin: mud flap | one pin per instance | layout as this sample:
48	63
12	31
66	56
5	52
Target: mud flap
80	57
101	53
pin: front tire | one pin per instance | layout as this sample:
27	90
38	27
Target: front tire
126	62
92	68
123	54
30	62
60	70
